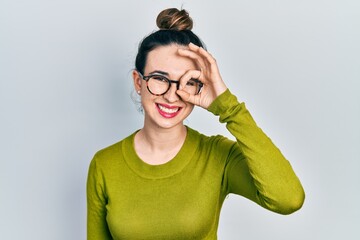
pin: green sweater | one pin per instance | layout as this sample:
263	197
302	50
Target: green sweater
181	199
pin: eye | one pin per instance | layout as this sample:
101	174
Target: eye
191	82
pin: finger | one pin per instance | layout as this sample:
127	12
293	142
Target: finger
190	74
193	55
205	55
187	97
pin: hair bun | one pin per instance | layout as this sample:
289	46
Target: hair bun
174	19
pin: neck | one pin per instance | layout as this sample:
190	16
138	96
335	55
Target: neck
160	139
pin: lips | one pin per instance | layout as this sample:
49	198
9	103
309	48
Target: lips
168	111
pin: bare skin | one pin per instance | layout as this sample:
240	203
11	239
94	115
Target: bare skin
158	147
162	136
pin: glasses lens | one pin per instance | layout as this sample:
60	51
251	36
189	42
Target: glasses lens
192	86
158	84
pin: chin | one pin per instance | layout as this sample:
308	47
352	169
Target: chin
167	122
166	116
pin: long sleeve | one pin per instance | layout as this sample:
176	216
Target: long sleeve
97	227
255	168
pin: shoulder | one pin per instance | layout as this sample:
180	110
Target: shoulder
216	144
106	156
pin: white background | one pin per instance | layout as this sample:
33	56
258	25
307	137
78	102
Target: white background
65	88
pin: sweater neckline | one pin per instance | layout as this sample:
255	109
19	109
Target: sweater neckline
168	169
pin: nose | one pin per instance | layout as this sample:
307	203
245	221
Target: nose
171	95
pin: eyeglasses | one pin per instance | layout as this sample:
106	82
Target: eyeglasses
159	85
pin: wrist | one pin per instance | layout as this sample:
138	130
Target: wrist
222	102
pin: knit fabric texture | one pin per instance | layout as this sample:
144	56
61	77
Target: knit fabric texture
181	199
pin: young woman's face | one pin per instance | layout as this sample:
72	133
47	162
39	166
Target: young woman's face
168	110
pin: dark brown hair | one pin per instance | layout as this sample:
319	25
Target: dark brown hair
173	19
174	28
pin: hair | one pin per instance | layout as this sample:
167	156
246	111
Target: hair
174	28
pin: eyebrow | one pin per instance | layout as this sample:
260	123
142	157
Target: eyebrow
159	72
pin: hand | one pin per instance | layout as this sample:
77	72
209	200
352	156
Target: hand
208	74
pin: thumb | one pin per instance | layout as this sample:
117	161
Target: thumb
187	97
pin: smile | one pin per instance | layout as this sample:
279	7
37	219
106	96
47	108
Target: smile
168	111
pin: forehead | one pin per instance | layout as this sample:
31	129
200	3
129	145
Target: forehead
166	59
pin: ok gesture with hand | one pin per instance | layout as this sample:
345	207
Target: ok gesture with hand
208	74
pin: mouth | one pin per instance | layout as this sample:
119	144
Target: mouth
168	111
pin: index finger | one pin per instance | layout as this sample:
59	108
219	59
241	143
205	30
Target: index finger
207	58
190	74
203	53
193	55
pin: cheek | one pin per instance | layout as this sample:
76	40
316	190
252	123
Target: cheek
143	87
147	98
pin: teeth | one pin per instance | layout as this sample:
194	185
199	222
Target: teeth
168	110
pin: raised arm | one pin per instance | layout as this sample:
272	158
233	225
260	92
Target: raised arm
255	168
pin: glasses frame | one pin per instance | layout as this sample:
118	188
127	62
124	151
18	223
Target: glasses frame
147	78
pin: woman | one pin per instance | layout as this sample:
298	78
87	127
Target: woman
166	180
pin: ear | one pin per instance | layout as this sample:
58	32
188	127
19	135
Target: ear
137	80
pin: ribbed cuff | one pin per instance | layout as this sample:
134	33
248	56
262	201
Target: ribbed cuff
222	103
